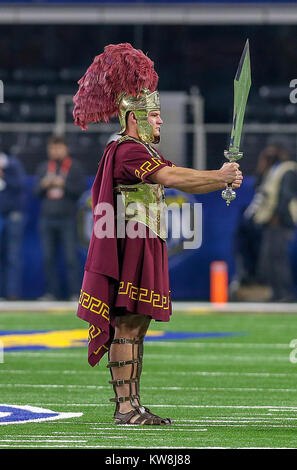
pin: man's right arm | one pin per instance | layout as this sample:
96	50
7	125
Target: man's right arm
197	181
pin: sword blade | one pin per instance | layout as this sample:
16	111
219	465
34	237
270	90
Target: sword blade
242	84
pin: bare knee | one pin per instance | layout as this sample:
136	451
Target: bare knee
131	326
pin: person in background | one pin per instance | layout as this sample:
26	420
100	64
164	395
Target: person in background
274	210
12	186
60	183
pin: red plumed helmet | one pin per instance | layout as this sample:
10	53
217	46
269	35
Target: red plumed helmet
120	68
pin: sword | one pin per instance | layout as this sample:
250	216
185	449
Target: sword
242	84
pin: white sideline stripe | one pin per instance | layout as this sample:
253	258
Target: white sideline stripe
235	307
203	389
185	307
189	373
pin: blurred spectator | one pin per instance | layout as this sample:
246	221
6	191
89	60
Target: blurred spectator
60	182
12	186
273	210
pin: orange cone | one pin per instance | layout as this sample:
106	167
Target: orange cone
218	282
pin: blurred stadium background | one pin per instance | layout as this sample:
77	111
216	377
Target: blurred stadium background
46	47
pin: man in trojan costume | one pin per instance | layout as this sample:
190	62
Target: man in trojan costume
126	282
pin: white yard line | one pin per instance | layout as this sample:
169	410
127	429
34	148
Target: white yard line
197	358
276	408
182	373
135	427
106	387
203	342
238	418
194	359
41	440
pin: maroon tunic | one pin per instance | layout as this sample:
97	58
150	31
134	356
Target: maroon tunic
122	275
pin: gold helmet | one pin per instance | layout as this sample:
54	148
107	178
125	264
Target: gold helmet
140	105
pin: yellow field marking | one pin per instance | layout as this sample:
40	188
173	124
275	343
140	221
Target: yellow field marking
53	339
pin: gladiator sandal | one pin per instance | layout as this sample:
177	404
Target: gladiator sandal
144	415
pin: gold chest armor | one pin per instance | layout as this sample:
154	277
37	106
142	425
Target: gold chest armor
145	203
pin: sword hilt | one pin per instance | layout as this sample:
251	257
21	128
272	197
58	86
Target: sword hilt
229	194
233	156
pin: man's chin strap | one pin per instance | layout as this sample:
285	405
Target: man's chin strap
127	372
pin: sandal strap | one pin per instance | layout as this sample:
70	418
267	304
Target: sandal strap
125	417
122	363
120	382
143	418
127	341
123	399
119	399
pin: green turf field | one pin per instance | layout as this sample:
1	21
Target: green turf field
229	392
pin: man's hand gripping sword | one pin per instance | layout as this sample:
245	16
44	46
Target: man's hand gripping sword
242	84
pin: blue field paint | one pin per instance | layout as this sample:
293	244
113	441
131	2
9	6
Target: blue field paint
16	414
179	335
21	332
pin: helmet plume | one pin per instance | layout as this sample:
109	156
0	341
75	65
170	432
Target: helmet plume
120	68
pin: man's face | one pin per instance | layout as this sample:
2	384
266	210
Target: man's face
154	118
57	151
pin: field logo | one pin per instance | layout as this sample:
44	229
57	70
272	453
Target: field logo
20	414
1	352
293	354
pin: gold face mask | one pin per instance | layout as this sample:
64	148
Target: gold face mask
141	105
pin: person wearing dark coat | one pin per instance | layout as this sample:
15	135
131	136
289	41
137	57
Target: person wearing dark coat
60	183
12	196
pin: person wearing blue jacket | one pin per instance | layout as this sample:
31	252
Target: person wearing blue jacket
12	192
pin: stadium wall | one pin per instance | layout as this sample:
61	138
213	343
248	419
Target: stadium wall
189	269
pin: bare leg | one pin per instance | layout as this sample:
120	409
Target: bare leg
125	362
130	327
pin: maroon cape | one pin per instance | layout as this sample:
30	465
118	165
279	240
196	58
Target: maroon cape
122	274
